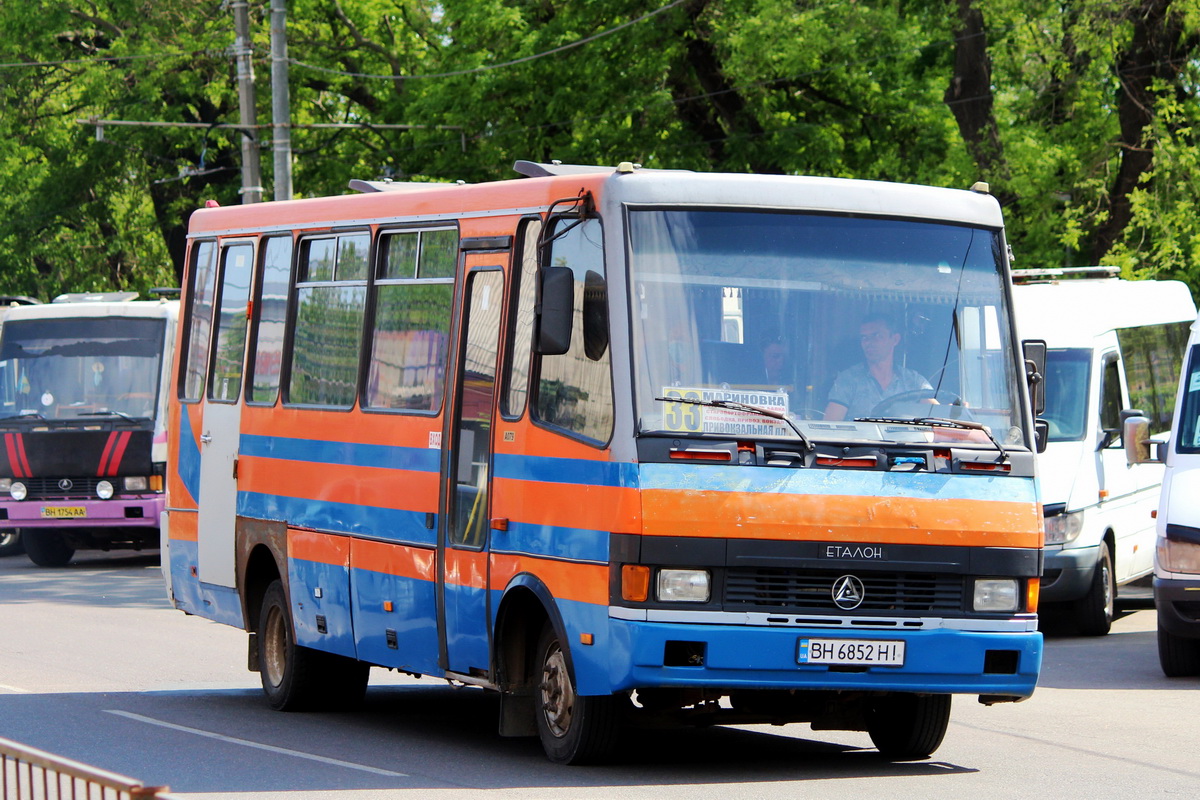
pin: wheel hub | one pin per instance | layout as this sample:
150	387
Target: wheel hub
558	697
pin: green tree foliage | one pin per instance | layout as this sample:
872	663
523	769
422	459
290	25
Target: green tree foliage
1082	115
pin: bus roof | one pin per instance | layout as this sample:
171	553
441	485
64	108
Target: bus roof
378	202
166	309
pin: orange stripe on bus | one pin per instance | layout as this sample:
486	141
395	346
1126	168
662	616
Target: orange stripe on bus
601	508
404	490
318	547
184	526
340	426
583	583
393	559
886	520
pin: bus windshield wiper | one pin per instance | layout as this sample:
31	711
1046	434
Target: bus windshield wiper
27	415
733	405
942	422
104	412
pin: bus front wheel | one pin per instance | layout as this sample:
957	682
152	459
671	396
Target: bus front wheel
47	549
574	729
908	727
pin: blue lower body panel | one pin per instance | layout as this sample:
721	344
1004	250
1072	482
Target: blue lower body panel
936	661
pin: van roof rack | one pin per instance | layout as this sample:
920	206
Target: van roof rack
96	297
1071	273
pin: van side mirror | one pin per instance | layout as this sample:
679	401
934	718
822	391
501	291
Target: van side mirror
555	310
1035	370
1135	431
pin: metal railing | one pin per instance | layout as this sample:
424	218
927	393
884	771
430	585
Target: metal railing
30	774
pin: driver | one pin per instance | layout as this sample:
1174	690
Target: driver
857	390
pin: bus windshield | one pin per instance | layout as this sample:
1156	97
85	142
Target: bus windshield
66	368
845	324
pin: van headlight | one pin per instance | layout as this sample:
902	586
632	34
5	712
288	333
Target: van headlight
995	594
683	586
1064	528
1179	550
135	483
17	490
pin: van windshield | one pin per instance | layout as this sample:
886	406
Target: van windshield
1068	373
835	321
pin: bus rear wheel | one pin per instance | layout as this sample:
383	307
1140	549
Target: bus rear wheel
47	549
908	727
574	729
298	678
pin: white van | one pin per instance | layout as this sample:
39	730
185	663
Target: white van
1177	554
1114	349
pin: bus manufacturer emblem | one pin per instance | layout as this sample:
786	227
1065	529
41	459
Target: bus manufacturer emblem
65	484
848	592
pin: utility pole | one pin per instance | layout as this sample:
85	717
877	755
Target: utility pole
251	170
281	121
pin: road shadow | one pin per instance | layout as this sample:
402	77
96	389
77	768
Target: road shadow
124	579
434	737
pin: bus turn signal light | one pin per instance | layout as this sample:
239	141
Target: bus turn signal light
1033	588
635	583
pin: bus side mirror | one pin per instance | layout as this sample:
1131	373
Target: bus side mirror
1135	430
1041	434
555	309
1035	369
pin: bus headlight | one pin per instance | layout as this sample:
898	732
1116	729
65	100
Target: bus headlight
1064	528
683	586
137	483
995	594
5	485
18	490
104	490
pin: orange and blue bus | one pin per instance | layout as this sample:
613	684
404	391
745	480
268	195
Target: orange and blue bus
596	439
83	423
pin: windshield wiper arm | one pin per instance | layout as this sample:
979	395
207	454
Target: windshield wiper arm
104	412
942	422
30	415
733	405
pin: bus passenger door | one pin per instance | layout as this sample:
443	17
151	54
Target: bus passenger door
467	472
221	418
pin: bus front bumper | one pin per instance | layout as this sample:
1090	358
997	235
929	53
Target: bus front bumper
938	660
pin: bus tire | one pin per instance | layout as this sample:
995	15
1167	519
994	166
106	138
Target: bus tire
48	549
908	727
1178	657
1095	610
289	673
10	543
574	729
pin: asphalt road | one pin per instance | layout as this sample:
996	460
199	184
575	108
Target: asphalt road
95	666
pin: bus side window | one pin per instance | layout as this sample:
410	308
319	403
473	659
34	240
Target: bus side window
270	319
574	390
331	295
229	344
520	344
203	290
414	292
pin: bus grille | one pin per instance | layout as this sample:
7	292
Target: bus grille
799	590
49	487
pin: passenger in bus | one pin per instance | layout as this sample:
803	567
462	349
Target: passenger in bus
776	369
858	390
